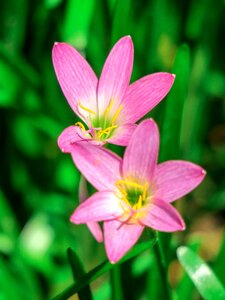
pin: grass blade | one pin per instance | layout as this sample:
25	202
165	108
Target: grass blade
78	272
204	279
101	269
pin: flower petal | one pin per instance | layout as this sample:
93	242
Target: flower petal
119	238
76	78
144	94
174	179
116	74
99	166
99	207
96	231
141	154
82	190
94	227
162	216
71	135
122	135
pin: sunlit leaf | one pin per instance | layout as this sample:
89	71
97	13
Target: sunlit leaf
77	22
202	276
219	265
52	3
186	288
35	241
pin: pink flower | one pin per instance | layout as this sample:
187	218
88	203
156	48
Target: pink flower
133	192
108	107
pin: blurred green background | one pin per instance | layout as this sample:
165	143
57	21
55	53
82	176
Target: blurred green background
39	184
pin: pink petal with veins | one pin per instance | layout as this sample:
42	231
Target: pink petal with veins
71	135
144	94
176	178
99	207
119	238
116	73
96	231
98	165
122	135
94	227
141	154
162	216
76	78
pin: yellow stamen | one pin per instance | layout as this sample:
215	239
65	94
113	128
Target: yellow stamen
106	113
129	183
116	114
121	190
105	131
145	190
138	205
80	125
86	108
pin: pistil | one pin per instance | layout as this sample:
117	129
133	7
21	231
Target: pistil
106	126
132	193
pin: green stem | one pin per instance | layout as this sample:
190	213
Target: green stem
117	292
162	267
101	269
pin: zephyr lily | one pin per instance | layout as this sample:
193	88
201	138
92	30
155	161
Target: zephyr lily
108	107
133	192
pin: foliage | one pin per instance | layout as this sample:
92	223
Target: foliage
39	184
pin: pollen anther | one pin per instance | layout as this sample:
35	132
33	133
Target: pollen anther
105	131
86	108
80	125
108	108
116	114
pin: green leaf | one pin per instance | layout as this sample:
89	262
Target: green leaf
219	265
171	130
121	20
9	229
101	269
13	23
217	201
206	282
19	67
172	121
64	171
78	272
50	4
35	242
7	281
186	288
98	44
194	117
77	22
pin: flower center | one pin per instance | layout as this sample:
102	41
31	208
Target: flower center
101	128
134	194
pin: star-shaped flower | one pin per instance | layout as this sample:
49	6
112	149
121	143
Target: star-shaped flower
108	107
133	192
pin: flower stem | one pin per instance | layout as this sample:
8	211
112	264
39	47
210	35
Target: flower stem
117	292
162	267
